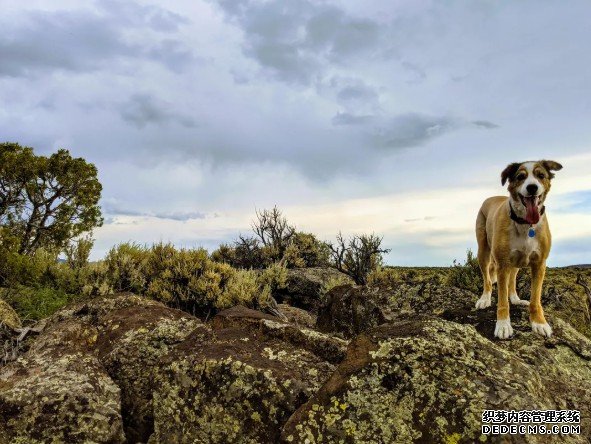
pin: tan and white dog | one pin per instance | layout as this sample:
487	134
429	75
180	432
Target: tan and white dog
513	233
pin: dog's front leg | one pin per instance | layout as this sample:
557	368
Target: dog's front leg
503	329
536	312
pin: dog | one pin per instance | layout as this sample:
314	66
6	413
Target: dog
512	233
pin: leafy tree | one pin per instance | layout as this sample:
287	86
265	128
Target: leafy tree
358	256
46	201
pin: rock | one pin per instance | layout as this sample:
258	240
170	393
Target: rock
327	347
130	344
59	392
305	286
297	316
350	309
232	385
108	352
8	316
426	379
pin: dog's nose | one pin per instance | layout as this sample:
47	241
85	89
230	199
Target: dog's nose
532	189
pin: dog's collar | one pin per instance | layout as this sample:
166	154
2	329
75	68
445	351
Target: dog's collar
521	220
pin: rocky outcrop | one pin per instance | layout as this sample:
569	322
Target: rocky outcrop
125	368
232	385
426	379
88	377
421	366
305	286
59	392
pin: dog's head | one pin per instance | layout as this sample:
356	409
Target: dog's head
529	184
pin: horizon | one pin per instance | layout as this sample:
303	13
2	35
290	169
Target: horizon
388	118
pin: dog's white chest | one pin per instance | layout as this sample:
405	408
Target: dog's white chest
523	249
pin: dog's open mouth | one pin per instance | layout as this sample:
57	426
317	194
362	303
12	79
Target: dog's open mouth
532	212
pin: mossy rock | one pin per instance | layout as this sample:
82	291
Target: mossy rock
131	340
327	347
59	392
425	379
232	385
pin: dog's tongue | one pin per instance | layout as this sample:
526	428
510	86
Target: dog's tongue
532	215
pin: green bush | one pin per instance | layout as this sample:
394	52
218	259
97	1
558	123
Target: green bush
126	267
33	304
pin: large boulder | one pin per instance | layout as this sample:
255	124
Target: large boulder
425	379
240	382
305	286
59	392
130	344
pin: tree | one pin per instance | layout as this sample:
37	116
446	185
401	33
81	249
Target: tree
358	256
46	201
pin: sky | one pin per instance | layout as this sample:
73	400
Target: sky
384	116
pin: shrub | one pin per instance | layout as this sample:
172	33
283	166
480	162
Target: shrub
33	304
305	250
243	288
273	277
358	256
126	264
331	283
467	275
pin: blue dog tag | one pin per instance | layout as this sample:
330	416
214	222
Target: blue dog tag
531	232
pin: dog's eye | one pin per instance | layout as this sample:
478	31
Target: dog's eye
520	176
541	176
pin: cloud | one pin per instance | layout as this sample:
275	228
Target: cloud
295	40
409	130
112	210
485	124
83	40
344	118
142	109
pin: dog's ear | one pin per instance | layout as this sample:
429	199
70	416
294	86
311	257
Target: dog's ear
509	172
551	165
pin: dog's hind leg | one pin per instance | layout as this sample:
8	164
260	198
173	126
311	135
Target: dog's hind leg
513	289
484	261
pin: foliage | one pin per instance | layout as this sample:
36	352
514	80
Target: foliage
467	275
358	256
274	241
331	283
78	251
35	303
305	250
46	201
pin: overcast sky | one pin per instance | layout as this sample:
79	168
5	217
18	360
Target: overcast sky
393	117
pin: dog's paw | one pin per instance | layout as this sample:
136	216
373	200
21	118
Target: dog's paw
542	329
483	302
503	329
516	301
